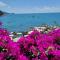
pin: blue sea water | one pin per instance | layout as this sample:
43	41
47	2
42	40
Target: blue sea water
22	22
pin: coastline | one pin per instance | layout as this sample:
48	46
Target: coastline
43	29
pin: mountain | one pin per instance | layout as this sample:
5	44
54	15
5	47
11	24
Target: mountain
2	13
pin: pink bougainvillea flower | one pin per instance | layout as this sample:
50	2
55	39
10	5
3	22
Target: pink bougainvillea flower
9	50
3	32
56	40
54	55
35	46
35	35
43	55
22	57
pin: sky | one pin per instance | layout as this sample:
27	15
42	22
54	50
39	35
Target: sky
30	6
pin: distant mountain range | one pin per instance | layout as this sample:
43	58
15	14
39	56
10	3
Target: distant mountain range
2	13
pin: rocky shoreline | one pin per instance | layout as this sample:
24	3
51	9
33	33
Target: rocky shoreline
42	29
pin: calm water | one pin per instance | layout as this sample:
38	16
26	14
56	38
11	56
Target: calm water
21	22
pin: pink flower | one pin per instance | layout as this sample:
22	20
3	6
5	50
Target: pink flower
22	57
3	32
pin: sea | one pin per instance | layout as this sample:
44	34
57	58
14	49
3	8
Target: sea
23	22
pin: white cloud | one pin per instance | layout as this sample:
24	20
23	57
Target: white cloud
2	4
5	7
49	9
45	9
36	10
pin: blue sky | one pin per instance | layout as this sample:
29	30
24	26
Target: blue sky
30	6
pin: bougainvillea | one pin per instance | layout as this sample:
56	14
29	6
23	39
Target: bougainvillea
35	46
